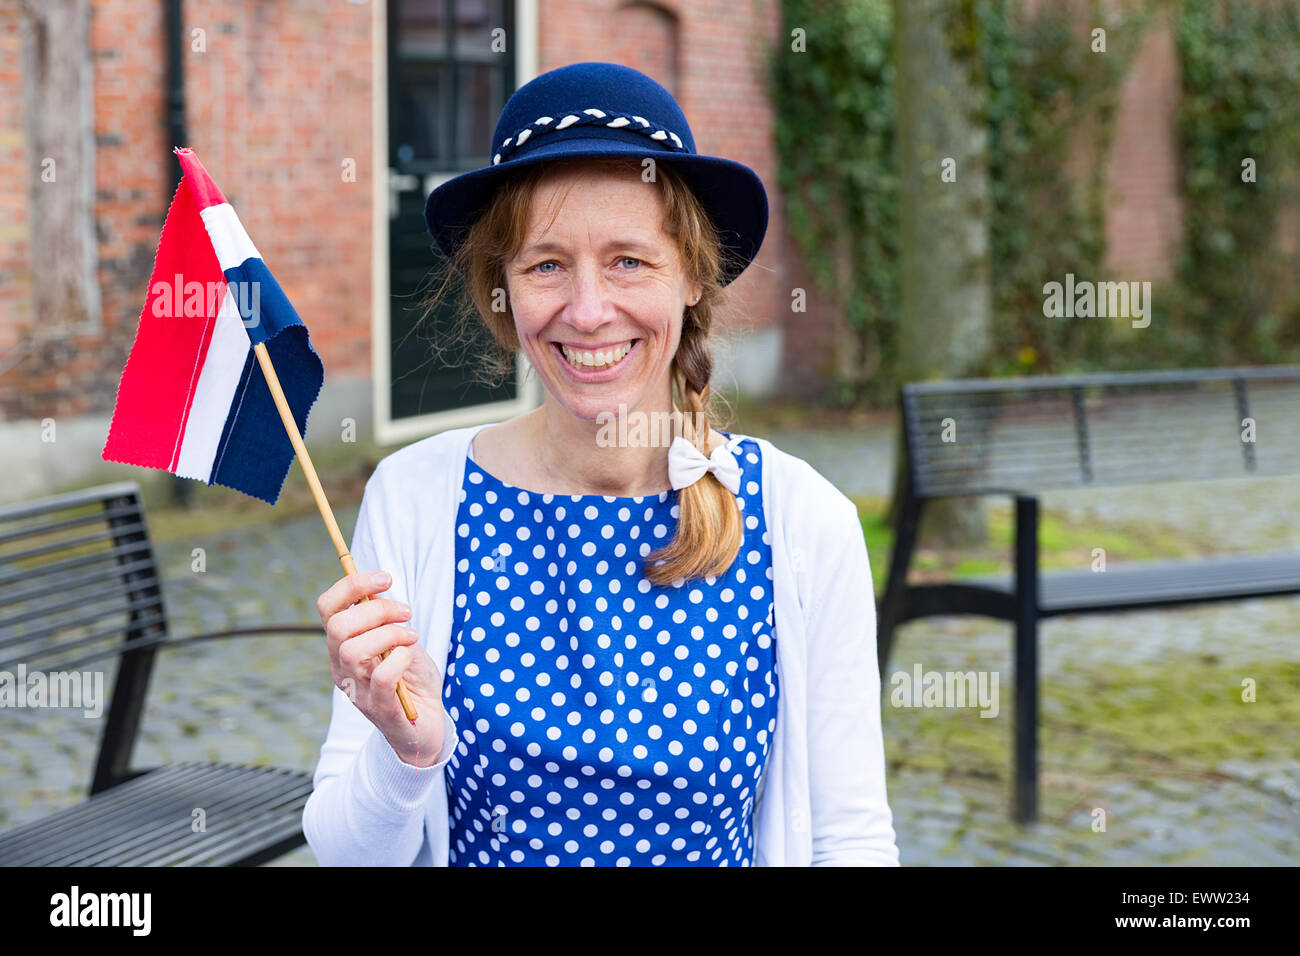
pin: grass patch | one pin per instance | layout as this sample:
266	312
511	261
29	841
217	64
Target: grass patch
1062	544
1178	718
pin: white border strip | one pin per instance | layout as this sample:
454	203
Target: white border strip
229	239
223	366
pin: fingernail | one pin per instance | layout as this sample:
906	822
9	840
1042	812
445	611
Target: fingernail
406	608
379	578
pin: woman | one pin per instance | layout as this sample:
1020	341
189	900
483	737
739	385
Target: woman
622	651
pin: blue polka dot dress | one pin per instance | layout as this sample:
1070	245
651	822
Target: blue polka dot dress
603	720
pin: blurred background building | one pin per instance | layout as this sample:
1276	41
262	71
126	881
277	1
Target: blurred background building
327	123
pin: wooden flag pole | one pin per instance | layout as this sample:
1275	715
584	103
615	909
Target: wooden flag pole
291	426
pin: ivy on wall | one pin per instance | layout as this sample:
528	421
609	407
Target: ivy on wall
832	88
1236	299
1050	103
1053	89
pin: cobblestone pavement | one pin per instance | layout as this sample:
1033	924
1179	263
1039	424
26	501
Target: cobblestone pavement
266	699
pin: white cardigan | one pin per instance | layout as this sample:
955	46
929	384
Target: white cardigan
821	799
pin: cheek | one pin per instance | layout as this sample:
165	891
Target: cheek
673	337
529	324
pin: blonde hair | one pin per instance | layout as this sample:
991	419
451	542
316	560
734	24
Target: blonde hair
709	527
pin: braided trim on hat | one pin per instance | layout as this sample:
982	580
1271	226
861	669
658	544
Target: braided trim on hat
590	117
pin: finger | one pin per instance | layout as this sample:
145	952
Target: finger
352	621
359	670
384	678
350	589
355	651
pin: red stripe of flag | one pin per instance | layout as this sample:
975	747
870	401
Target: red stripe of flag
206	191
157	387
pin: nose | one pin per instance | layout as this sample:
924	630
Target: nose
589	306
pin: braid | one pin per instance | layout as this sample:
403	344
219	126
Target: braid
709	529
692	370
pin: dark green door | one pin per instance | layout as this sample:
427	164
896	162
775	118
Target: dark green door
446	87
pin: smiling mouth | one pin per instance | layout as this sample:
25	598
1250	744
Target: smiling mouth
595	359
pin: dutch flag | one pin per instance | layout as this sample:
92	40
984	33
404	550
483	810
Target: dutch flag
193	400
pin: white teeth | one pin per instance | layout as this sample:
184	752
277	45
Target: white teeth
580	359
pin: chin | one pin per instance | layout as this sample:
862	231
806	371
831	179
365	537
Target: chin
594	410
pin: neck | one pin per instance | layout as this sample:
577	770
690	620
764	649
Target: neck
577	454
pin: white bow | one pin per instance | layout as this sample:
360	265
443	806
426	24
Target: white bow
687	465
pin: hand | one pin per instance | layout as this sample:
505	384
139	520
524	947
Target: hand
359	631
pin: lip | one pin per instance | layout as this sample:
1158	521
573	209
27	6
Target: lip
594	375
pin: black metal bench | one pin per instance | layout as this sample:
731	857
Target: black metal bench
79	585
1020	437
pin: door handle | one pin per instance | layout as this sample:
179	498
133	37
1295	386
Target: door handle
399	183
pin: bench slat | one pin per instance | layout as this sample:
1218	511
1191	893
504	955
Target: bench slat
121	827
150	831
116	603
1156	582
273	838
97	516
53	545
100	808
133	549
275	814
1031	435
47	657
113	576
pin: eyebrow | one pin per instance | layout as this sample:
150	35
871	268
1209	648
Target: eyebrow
549	245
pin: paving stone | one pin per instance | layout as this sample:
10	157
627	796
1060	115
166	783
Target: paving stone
302	856
1283	785
1175	788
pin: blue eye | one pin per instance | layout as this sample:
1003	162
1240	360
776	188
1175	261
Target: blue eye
539	268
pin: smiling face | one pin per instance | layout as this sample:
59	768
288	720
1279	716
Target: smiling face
598	293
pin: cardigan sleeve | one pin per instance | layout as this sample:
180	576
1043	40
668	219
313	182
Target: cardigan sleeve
851	819
367	805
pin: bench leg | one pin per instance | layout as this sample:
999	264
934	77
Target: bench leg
1026	809
1026	663
894	599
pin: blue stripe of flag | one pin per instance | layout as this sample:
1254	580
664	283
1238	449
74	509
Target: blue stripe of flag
255	453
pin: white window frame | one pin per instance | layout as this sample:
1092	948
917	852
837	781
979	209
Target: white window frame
387	430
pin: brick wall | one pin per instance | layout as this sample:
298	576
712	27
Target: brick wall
1144	215
279	102
813	338
275	103
15	259
132	181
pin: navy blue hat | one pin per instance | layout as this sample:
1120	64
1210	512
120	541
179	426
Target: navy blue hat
604	109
